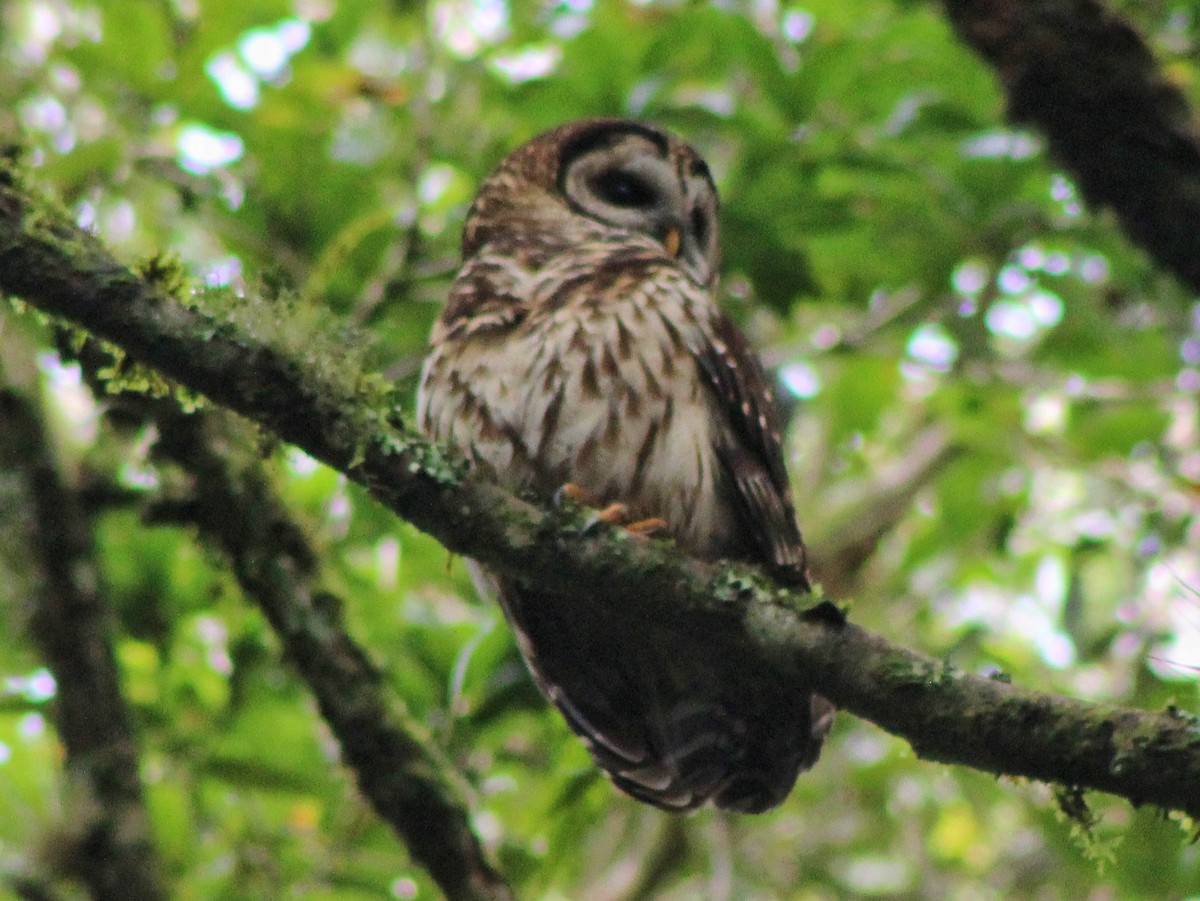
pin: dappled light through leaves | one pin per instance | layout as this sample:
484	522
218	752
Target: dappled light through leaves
991	391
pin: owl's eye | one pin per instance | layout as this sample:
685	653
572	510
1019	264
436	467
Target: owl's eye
621	188
700	226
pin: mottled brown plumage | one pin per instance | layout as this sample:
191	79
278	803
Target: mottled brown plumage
582	343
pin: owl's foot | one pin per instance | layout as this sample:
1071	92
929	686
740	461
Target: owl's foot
576	493
647	526
616	514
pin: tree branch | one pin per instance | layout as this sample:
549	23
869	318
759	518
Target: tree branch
110	845
944	714
1087	80
406	782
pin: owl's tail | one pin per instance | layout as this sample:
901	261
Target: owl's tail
674	719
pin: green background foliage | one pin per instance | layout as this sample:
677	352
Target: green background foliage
994	434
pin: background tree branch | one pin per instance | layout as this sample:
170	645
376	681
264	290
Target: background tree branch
406	781
104	841
1088	81
945	715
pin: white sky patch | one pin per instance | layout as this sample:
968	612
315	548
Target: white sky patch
1031	257
38	686
1046	308
796	25
378	58
1013	280
226	271
1011	319
1179	656
1030	619
1056	649
300	463
138	476
1057	263
932	345
825	336
528	64
72	400
36	34
237	85
1050	582
31	726
263	52
1046	414
214	636
202	149
434	182
41	685
267	50
875	874
718	101
43	113
118	221
1013	145
1063	191
801	379
1094	269
465	27
570	18
387	563
969	277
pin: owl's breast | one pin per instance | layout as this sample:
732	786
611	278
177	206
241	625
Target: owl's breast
600	390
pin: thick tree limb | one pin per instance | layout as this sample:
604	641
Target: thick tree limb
945	715
110	849
1087	80
399	773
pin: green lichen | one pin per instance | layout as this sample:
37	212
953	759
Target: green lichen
1189	824
734	586
1074	809
121	374
1191	721
166	273
424	457
899	671
328	354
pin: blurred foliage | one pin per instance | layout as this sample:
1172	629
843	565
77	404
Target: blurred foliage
909	265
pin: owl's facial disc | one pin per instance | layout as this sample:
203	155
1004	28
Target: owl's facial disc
629	178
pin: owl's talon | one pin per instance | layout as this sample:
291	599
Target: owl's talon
614	514
577	493
646	527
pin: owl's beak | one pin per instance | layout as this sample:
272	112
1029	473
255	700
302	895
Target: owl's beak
673	242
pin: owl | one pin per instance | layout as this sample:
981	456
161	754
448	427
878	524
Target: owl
582	345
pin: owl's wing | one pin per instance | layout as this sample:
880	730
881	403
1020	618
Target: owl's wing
753	461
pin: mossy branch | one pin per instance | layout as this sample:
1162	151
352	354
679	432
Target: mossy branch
945	715
406	781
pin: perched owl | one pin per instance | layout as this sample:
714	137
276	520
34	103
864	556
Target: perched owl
582	344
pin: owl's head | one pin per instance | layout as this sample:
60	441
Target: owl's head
607	179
